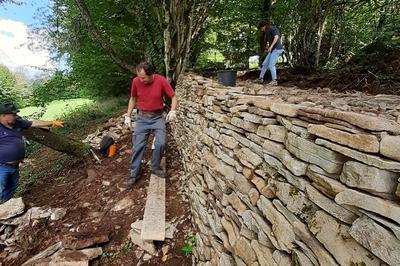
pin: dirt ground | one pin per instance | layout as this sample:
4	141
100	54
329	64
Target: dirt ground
374	70
90	191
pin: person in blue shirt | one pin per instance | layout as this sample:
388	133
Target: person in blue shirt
12	147
274	48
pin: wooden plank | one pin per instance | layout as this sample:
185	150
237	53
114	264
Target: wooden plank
153	227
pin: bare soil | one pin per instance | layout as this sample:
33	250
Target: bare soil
90	196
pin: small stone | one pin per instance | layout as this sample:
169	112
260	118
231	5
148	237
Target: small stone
44	254
123	204
364	201
377	239
273	132
238	108
290	126
92	174
246	155
75	242
11	208
146	257
281	258
277	150
308	151
232	231
369	178
106	183
336	239
57	214
285	109
139	253
369	159
390	147
243	249
144	245
330	206
251	118
254	196
165	250
361	120
228	142
361	142
236	203
282	229
246	125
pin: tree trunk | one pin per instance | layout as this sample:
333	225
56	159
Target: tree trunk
57	142
320	34
182	23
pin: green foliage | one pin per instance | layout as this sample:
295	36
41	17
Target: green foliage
111	255
99	110
123	23
8	91
315	33
188	247
75	122
59	86
128	248
27	180
231	36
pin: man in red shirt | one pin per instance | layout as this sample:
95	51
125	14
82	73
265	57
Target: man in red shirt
147	92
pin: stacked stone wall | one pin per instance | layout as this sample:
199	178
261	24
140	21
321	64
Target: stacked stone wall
281	176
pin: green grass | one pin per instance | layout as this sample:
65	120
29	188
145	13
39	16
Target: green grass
54	110
102	109
188	247
79	121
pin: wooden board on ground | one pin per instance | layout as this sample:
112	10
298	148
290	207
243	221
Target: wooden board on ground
153	227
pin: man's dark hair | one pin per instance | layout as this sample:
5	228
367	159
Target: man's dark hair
147	67
264	23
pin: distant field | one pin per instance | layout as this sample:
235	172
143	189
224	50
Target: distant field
55	109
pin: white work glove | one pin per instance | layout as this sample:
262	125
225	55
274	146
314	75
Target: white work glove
128	121
170	116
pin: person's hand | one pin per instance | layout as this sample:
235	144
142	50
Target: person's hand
270	49
128	121
57	124
170	116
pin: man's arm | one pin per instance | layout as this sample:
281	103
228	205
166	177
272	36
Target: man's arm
276	38
131	106
40	124
174	103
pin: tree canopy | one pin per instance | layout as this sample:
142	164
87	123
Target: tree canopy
103	40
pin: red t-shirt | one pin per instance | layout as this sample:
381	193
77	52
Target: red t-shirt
149	97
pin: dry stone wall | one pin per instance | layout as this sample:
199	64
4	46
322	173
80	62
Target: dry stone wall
281	176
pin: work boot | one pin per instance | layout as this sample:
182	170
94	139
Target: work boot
131	182
259	81
160	173
273	83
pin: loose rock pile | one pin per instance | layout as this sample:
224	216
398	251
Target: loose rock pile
114	128
282	175
14	222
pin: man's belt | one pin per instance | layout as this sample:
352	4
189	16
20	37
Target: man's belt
150	114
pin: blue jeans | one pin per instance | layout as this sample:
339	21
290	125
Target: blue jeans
142	129
9	178
270	62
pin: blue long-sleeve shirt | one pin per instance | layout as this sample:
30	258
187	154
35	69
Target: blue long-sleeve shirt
12	147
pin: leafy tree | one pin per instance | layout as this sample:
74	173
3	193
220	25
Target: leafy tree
8	91
58	87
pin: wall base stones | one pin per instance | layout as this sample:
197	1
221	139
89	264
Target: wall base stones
278	181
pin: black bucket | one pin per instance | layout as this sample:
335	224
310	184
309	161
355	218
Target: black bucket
227	77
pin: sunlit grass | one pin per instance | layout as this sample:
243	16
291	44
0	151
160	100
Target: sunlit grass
55	109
